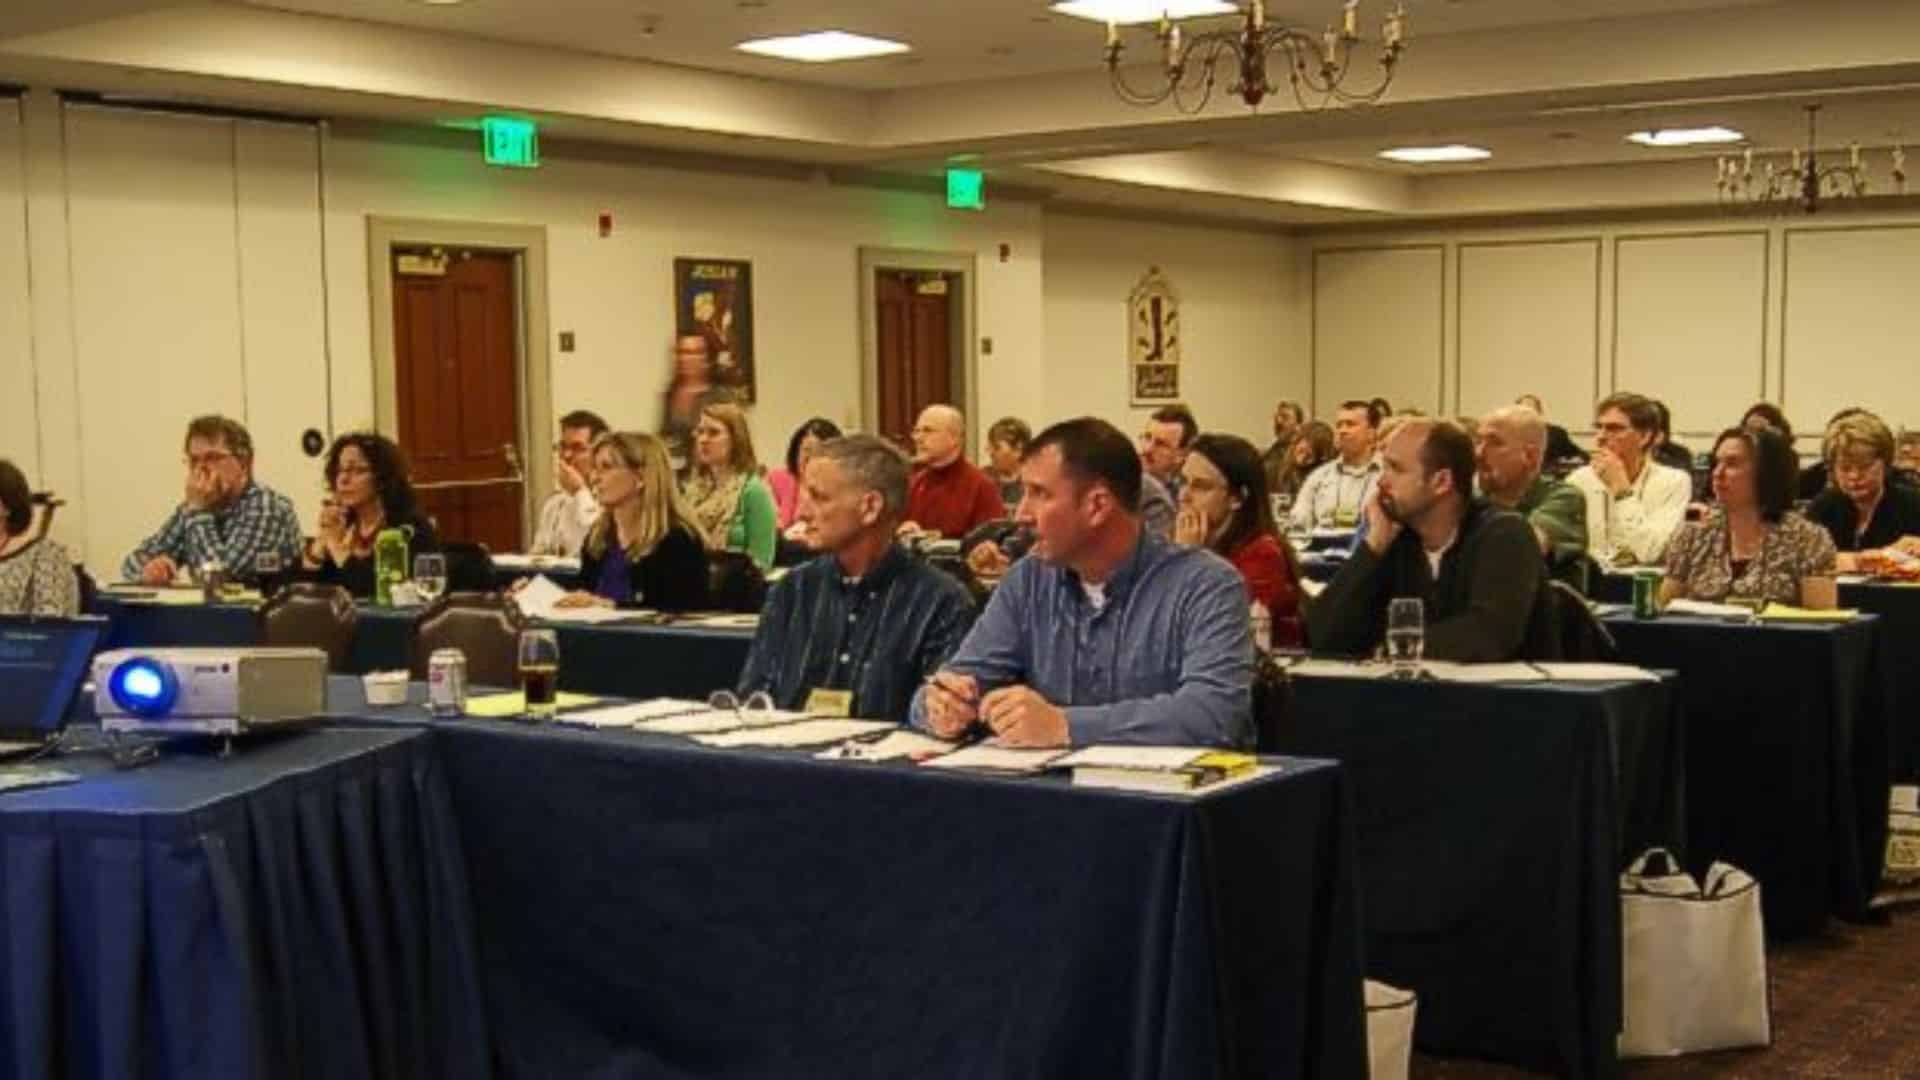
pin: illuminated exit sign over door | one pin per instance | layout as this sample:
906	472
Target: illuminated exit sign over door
966	189
510	143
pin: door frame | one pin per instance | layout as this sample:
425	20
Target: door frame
962	329
533	363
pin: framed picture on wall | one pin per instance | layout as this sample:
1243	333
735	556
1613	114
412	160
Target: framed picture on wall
713	299
1153	340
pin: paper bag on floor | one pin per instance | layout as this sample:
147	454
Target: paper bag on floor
1389	1030
1693	960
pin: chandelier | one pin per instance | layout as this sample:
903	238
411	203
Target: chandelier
1804	180
1317	64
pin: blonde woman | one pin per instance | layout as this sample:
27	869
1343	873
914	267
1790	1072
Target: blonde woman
644	550
726	492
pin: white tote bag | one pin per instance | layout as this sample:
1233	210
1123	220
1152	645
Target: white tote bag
1389	1031
1693	960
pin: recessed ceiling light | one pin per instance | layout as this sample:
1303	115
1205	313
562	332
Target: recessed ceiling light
1436	155
1126	12
823	47
1703	136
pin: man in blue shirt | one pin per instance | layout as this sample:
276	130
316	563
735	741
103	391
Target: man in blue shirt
1108	634
854	632
225	513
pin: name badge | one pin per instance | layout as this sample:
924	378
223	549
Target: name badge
836	703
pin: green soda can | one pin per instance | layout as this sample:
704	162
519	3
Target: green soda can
1646	595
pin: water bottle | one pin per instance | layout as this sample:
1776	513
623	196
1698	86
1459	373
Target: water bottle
389	563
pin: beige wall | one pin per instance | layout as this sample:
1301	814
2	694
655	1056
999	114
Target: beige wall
184	264
1241	308
1709	314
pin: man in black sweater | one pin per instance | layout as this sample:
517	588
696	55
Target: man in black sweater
1477	568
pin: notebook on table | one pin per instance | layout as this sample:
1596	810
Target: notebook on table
43	663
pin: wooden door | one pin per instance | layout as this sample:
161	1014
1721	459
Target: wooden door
915	335
457	362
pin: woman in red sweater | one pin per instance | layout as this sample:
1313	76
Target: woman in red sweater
1224	507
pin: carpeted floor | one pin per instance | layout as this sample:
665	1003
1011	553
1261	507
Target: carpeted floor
1845	1004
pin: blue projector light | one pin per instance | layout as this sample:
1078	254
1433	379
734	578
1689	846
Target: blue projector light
143	687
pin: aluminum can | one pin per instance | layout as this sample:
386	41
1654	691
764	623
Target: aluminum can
1646	595
447	682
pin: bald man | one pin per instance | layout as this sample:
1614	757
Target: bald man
947	494
1508	452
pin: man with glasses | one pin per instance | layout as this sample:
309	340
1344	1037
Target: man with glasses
225	514
571	510
1634	504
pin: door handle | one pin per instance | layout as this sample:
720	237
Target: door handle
512	454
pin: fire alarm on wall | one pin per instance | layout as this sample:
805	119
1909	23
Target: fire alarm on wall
606	226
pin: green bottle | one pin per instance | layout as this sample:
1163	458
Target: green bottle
389	563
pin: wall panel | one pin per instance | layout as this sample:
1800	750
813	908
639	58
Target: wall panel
1529	322
19	400
1377	326
1690	324
156	309
283	319
1849	314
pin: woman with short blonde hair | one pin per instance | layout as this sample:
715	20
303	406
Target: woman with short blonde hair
726	493
1863	509
644	550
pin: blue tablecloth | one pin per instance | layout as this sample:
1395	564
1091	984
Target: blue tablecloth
1492	822
632	660
1787	774
297	910
649	907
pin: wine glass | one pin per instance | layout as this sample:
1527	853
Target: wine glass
430	576
1406	635
540	672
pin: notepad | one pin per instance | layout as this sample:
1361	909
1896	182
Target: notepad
1133	757
514	703
991	757
1572	671
1448	671
1336	669
801	733
19	777
1787	613
1706	610
708	721
898	744
626	716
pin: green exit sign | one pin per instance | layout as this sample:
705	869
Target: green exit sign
511	143
966	189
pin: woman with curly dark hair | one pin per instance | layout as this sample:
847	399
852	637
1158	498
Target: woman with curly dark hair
368	490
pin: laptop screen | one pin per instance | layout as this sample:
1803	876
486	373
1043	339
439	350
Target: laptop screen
43	662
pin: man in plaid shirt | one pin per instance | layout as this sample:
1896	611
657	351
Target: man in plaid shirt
225	515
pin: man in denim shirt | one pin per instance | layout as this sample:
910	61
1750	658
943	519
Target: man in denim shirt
1108	634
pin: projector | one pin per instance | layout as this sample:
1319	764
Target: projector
219	691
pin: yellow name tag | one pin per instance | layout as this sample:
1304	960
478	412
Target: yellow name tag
830	703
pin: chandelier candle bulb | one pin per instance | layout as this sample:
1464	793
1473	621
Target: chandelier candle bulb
1259	14
1113	36
1350	21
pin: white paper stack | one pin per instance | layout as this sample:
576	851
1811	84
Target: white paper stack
1706	610
632	715
814	732
539	596
992	757
706	721
900	743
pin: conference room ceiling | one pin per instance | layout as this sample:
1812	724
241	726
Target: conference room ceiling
1550	86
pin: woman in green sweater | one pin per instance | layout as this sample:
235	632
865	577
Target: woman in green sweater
725	489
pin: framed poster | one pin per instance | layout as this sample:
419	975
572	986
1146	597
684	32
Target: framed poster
1153	340
713	299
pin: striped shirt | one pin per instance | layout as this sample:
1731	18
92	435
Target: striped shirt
258	521
878	636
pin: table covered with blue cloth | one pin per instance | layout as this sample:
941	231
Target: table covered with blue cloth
630	659
297	910
649	907
1787	773
1492	822
1898	606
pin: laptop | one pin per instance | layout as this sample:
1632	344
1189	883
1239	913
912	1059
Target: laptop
43	663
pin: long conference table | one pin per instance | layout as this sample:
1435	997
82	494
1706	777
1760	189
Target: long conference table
389	896
1510	810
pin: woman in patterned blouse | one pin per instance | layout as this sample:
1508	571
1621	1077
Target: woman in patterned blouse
1750	546
36	574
